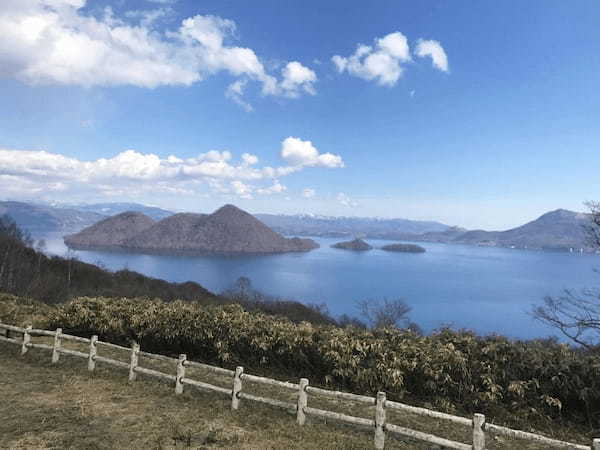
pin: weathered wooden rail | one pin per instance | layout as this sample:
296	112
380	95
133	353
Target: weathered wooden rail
300	408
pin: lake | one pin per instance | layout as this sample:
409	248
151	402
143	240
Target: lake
489	290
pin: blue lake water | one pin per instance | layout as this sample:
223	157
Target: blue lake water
485	289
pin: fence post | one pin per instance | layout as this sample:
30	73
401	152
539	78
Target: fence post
380	421
26	340
478	433
56	348
596	444
180	374
237	387
133	363
302	401
92	355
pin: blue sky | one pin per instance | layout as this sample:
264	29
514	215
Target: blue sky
481	114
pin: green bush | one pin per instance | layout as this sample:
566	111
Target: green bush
526	380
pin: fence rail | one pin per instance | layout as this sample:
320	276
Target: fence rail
378	422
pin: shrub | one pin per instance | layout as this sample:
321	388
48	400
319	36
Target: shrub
450	369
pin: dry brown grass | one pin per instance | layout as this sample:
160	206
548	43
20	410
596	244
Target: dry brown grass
63	406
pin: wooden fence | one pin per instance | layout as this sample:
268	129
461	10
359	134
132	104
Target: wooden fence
378	422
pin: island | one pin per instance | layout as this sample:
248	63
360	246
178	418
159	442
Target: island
404	248
228	230
356	244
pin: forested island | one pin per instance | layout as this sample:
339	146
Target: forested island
356	245
403	248
228	230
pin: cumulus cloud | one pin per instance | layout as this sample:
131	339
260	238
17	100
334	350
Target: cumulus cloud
132	172
308	193
56	42
435	51
276	188
249	159
297	78
299	153
383	61
344	200
241	189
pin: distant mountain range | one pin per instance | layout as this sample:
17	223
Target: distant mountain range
227	230
560	229
557	230
111	209
313	225
42	218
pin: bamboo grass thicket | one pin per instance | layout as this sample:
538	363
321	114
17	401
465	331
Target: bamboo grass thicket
378	423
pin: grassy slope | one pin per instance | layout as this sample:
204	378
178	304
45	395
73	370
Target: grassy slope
65	407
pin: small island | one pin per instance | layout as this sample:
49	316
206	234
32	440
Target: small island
405	248
356	244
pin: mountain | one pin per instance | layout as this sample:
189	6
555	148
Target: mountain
42	218
377	228
560	229
111	209
356	244
227	230
110	232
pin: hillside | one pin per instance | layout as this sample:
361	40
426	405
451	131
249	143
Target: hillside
455	371
110	232
227	230
42	218
64	407
560	229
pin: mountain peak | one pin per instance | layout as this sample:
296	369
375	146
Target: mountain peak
229	208
231	213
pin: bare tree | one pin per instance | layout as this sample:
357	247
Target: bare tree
576	314
593	228
385	313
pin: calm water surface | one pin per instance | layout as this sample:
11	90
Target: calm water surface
484	289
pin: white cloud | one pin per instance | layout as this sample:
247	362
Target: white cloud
299	153
344	200
434	50
383	62
276	188
235	92
147	17
249	159
29	172
241	190
308	193
297	78
56	42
